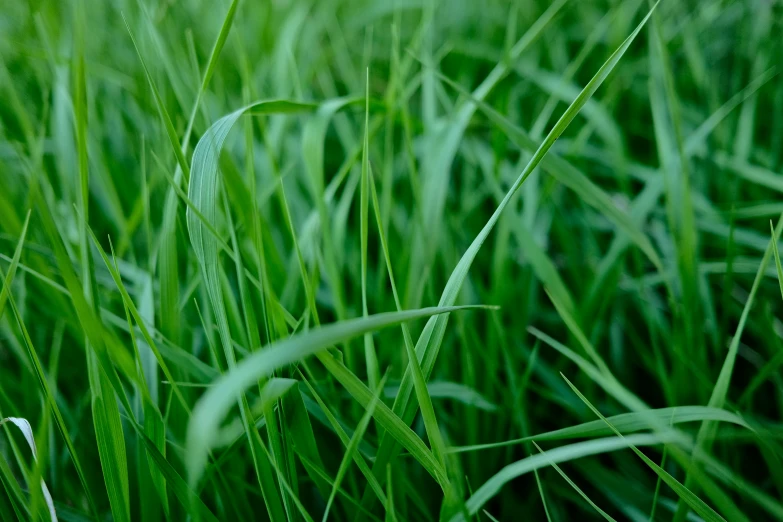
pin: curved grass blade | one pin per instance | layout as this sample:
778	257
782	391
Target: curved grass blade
203	187
558	455
274	389
624	422
203	191
167	254
27	431
215	403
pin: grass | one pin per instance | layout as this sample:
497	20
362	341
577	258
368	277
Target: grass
391	261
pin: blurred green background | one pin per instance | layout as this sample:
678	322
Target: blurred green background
635	259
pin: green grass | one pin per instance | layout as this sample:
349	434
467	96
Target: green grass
391	261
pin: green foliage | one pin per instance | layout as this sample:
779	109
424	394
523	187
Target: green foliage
354	298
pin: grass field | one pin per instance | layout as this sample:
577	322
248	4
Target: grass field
401	260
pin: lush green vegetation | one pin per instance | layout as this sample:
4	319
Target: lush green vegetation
211	304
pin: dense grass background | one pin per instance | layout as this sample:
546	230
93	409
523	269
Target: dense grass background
635	260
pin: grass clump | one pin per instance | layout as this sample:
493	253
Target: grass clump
329	260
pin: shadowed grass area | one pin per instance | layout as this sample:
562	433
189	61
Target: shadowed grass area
391	261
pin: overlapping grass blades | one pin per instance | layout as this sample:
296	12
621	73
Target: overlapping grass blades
429	342
203	191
